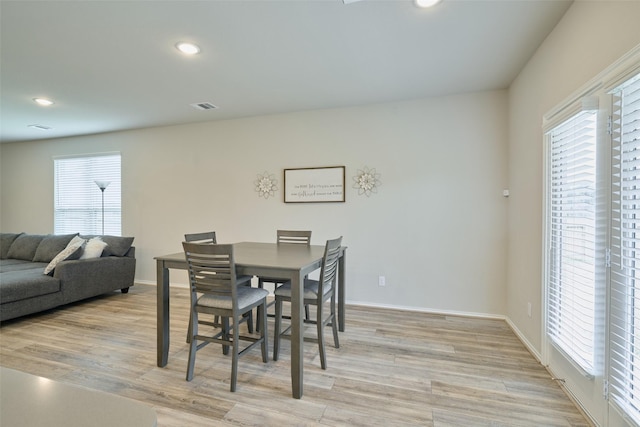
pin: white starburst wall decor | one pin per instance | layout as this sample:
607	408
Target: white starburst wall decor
266	184
366	181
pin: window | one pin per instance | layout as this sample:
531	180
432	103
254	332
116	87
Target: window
592	243
80	206
624	337
571	275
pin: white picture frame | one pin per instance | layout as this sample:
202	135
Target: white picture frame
314	185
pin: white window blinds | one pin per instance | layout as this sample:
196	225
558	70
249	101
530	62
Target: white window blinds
571	235
624	336
78	200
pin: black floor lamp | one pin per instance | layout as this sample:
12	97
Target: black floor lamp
102	185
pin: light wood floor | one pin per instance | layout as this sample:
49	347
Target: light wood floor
393	368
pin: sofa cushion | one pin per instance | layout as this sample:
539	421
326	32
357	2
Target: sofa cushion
51	246
25	246
11	264
19	285
116	245
6	239
72	251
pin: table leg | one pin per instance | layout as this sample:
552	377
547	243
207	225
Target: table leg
162	291
297	341
341	289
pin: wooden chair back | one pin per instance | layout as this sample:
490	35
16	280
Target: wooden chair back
295	237
329	269
205	237
212	269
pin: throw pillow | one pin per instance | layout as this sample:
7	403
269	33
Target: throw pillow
51	246
72	251
6	239
25	246
74	241
117	245
93	248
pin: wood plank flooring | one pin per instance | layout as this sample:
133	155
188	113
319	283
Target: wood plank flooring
393	368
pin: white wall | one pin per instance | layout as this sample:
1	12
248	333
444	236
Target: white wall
436	229
591	36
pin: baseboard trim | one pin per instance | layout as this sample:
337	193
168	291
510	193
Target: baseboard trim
428	310
153	283
524	340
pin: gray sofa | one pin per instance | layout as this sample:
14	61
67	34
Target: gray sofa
26	289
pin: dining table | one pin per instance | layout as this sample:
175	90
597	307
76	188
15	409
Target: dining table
291	262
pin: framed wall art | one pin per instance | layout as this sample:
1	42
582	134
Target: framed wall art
314	185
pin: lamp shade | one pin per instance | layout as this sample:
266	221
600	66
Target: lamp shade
102	184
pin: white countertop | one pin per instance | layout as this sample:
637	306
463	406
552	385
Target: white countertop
30	401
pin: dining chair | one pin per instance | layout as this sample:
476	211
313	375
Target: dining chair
317	293
286	237
212	278
209	237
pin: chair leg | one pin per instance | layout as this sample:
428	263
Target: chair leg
235	354
334	322
249	316
306	311
258	310
189	331
320	326
264	334
193	331
259	318
225	334
276	334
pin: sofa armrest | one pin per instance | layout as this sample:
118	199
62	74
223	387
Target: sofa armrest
84	278
131	253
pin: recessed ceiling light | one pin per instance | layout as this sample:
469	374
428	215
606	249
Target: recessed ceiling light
40	127
426	3
188	48
43	101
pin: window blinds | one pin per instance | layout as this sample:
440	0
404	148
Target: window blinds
624	336
78	199
571	235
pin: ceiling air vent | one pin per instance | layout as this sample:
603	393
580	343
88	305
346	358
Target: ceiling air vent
203	106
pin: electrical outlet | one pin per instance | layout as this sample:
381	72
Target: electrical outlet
529	309
381	281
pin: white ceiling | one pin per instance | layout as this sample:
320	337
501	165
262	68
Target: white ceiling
112	65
